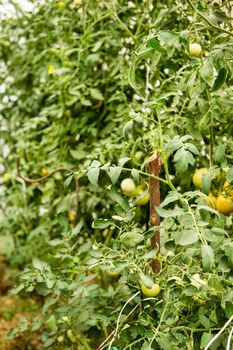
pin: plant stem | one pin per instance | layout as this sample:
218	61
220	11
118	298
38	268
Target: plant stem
207	20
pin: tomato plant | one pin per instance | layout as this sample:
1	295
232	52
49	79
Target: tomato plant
91	93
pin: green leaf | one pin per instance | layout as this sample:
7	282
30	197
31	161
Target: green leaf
117	198
62	220
68	181
102	223
146	280
96	94
40	265
220	80
229	175
131	238
114	173
164	213
93	175
123	160
55	242
206	182
219	154
132	77
171	197
135	175
207	71
183	159
77	229
205	338
186	237
127	129
207	257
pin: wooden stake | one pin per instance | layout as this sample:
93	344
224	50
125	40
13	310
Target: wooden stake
154	167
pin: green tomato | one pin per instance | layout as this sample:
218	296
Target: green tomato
128	187
151	292
195	49
139	155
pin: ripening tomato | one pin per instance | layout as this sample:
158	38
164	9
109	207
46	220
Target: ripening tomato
145	199
224	204
44	172
151	292
197	177
6	177
195	49
128	187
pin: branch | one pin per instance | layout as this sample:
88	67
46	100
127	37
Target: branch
154	167
207	20
40	179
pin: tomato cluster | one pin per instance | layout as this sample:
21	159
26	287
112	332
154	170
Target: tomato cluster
223	200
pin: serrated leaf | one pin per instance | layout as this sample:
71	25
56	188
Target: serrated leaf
117	198
229	175
95	164
55	242
206	182
68	181
207	71
62	220
146	280
192	148
219	154
96	94
164	213
39	264
114	173
127	129
77	229
132	77
183	159
207	257
102	223
123	160
93	175
205	338
171	197
135	175
220	80
187	237
131	238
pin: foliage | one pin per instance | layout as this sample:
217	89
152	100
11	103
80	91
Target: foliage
86	85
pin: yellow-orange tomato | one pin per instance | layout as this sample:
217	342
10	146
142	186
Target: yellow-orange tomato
145	199
6	177
151	292
61	4
197	176
224	204
71	216
51	69
211	202
44	171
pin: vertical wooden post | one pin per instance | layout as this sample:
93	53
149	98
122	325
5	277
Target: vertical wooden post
154	167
